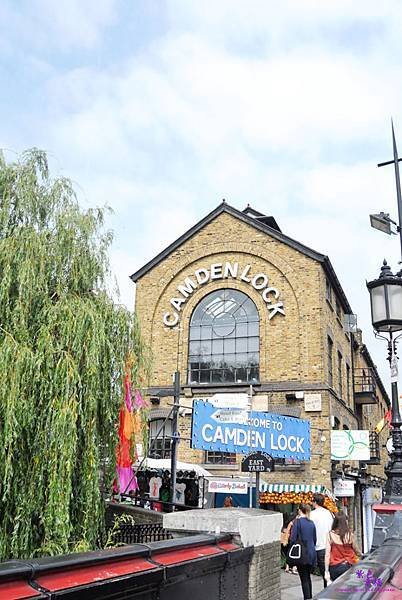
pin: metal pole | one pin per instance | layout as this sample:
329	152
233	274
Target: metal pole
398	185
257	487
393	486
175	436
250	483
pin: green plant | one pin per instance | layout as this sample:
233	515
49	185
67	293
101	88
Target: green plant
63	344
113	532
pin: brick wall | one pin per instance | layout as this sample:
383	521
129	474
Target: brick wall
265	573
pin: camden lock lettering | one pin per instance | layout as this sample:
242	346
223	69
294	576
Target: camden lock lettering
200	277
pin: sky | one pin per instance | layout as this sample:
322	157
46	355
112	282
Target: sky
159	109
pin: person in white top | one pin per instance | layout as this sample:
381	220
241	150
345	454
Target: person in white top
323	520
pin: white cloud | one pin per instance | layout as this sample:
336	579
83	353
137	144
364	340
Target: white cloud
283	105
45	24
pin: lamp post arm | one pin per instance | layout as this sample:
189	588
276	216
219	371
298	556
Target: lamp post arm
398	186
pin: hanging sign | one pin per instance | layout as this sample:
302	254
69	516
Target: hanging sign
277	435
344	488
257	462
350	444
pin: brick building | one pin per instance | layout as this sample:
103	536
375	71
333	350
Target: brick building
289	342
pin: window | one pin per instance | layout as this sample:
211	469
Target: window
328	291
220	458
338	309
340	374
159	447
224	339
330	376
336	424
348	383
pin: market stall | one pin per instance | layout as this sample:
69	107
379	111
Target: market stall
288	494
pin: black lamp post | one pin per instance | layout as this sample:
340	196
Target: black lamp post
386	316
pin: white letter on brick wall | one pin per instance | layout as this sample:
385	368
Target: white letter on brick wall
243	276
177	302
275	308
188	287
170	322
262	284
270	290
216	271
231	269
198	274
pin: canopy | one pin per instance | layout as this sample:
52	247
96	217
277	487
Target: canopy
164	463
294	487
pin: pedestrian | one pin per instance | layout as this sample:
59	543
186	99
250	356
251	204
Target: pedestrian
304	530
285	536
323	520
228	502
341	550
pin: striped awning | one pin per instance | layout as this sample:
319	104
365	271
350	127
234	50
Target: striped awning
278	488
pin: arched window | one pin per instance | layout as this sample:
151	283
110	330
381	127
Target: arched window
224	339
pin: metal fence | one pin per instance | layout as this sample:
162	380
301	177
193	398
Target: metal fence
133	533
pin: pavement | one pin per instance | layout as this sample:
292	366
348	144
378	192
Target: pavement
291	588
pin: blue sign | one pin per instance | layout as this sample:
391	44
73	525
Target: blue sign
239	431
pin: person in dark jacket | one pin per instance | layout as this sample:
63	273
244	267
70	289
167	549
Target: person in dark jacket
305	528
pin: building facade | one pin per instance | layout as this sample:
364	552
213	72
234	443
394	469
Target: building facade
235	303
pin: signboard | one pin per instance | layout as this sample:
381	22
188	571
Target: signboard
350	445
239	400
344	488
229	486
257	462
279	436
312	402
394	369
259	281
390	445
372	495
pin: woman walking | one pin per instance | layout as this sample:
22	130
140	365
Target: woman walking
304	530
285	537
341	551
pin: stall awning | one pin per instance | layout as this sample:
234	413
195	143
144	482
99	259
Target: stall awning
278	488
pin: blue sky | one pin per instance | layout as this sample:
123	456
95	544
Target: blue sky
162	108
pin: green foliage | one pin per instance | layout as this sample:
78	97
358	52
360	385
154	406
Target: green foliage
114	532
63	344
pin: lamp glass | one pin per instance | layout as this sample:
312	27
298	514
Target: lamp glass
378	304
395	302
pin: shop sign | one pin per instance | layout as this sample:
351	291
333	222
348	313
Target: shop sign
344	488
231	486
350	445
312	402
372	495
227	270
279	436
257	462
239	400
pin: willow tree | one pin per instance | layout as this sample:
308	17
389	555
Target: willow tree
63	344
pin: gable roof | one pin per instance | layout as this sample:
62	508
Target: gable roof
261	226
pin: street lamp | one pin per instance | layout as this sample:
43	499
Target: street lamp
386	316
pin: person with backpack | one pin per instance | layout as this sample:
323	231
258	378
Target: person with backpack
303	538
341	550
